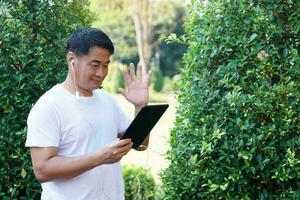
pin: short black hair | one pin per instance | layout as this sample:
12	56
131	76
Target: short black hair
82	40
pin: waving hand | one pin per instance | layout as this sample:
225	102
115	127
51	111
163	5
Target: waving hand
137	85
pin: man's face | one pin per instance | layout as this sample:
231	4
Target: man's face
91	69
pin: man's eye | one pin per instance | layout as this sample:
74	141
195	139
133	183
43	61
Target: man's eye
94	66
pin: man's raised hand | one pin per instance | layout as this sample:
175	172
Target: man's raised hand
137	85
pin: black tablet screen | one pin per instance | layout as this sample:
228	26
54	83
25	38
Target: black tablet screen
143	123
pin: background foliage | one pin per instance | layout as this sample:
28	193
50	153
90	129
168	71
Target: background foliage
237	126
114	79
115	18
32	59
139	183
157	79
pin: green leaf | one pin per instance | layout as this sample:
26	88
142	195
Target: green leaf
224	186
213	187
285	52
23	173
253	36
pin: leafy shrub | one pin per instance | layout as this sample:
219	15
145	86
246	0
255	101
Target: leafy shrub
139	183
237	126
157	79
114	79
117	80
32	59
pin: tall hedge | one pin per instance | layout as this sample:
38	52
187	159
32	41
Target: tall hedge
33	37
237	129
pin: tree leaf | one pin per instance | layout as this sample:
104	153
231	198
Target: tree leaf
23	173
253	36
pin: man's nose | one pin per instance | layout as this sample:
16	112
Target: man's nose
100	72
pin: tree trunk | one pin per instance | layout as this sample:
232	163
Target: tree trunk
142	17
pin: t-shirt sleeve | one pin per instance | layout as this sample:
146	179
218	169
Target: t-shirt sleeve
42	126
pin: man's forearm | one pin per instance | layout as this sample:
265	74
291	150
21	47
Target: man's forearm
58	167
137	109
47	165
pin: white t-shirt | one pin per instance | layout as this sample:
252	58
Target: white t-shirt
78	127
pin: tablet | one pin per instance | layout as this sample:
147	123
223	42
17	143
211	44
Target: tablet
143	123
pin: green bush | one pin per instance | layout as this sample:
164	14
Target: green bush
237	127
139	183
157	79
117	80
32	59
114	79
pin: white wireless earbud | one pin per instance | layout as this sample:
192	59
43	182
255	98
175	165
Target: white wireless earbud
76	91
72	63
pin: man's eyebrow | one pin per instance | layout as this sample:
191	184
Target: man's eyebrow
99	62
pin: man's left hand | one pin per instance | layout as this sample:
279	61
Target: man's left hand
137	85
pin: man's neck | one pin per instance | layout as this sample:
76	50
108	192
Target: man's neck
68	84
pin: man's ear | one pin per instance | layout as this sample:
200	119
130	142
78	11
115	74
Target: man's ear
70	57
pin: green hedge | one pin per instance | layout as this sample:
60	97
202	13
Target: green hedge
114	79
32	59
139	183
237	131
157	79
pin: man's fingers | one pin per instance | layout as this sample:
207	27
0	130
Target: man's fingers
140	72
122	143
127	146
126	149
123	150
132	72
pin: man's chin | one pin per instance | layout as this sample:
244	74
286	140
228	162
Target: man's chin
96	86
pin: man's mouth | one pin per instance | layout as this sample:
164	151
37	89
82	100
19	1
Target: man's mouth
97	81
